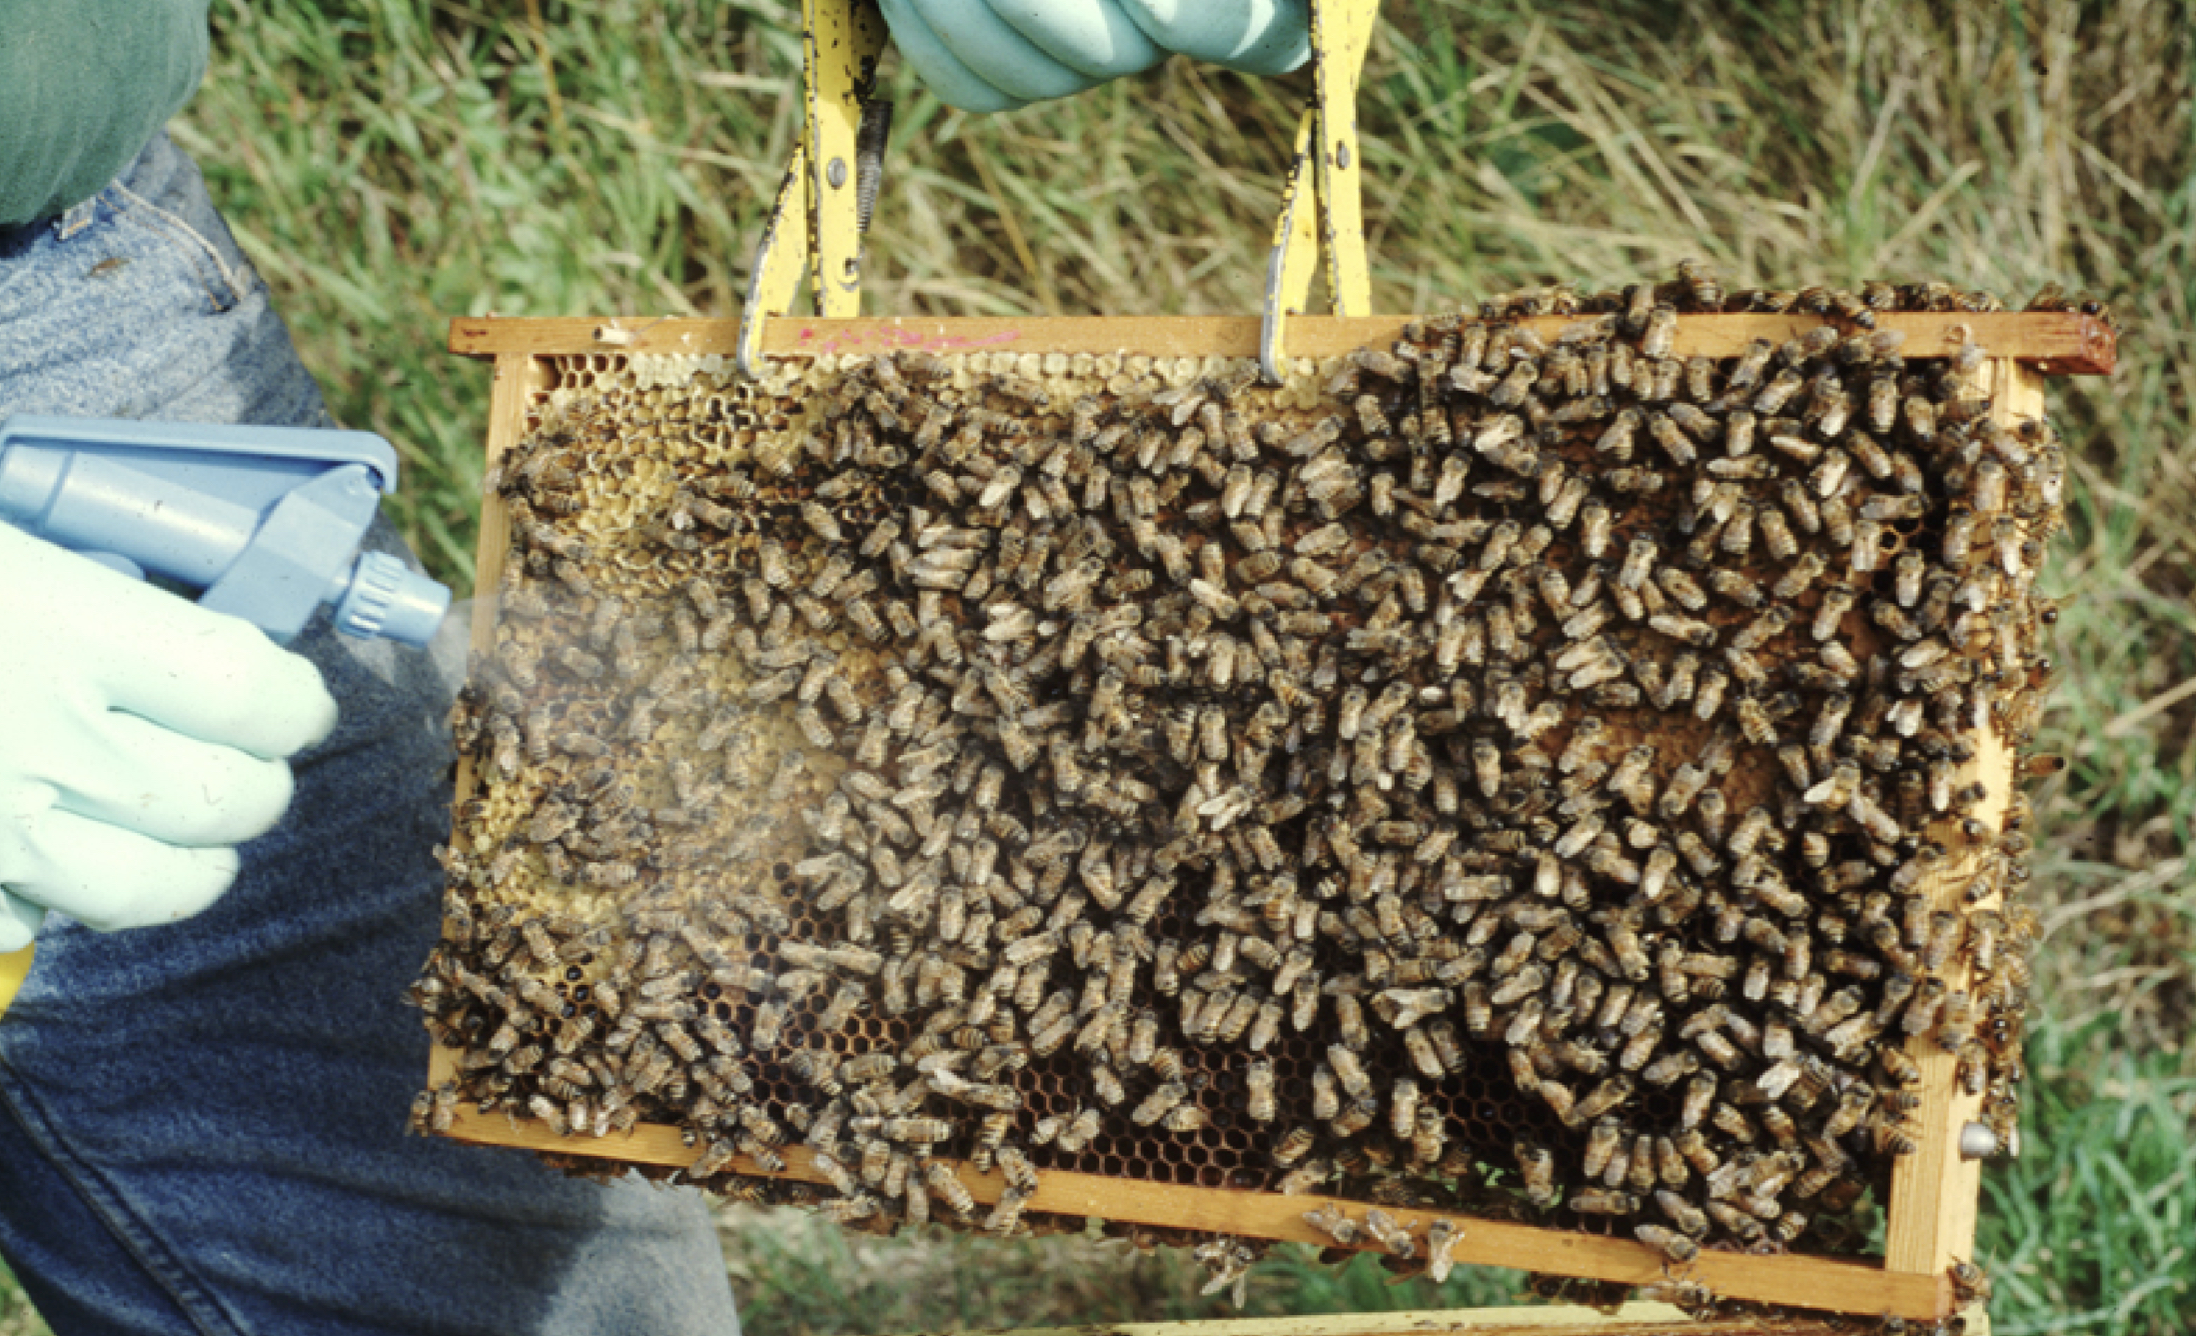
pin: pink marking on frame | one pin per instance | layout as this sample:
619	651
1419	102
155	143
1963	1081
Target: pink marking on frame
899	337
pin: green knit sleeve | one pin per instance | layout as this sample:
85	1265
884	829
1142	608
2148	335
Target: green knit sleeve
83	85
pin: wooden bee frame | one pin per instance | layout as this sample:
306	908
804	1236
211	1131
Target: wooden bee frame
1934	1195
1632	1319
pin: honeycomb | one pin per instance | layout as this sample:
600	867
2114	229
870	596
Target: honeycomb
1494	772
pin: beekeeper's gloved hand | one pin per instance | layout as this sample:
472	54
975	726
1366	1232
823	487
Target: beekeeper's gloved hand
141	737
994	55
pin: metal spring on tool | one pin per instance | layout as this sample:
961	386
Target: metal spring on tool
869	148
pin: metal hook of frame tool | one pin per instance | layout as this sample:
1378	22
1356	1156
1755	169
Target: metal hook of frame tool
815	227
1322	192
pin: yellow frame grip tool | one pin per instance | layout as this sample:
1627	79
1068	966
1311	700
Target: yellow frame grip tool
1322	198
14	968
815	228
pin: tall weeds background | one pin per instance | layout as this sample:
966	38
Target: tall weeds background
391	163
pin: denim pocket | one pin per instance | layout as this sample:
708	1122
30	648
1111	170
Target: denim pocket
222	281
138	303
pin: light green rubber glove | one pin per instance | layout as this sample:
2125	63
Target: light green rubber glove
141	739
994	55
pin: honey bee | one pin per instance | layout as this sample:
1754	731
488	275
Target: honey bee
1969	1284
1079	1132
436	1110
1156	1105
1006	1213
1305	1178
1956	1021
1448	1050
1331	1221
1670	1243
1427	1134
1597	1201
1602	1141
1259	1091
1355	1118
1383	1229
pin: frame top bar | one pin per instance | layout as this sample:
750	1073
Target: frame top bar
2060	343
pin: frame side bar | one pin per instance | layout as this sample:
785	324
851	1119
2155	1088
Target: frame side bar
519	379
1935	1192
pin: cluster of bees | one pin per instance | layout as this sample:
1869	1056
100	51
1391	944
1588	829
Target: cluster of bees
1514	773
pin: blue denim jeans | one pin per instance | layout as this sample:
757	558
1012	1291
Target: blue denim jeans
202	1126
